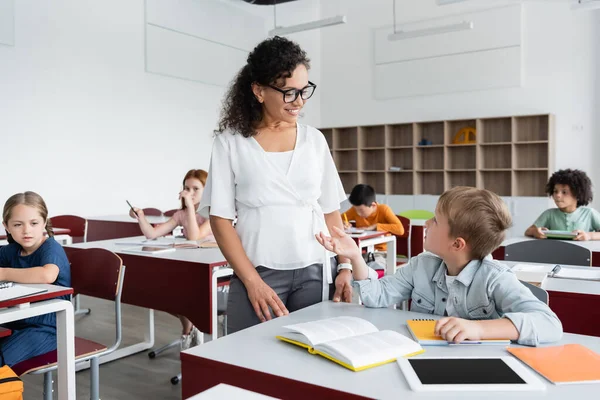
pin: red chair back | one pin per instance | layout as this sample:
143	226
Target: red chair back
170	213
155	212
402	240
77	226
95	272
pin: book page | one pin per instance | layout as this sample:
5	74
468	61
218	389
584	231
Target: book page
579	273
371	348
332	329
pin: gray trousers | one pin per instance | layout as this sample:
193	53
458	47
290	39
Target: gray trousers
296	288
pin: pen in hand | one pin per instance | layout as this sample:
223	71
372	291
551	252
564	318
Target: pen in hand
130	206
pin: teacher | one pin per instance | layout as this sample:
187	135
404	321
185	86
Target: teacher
277	177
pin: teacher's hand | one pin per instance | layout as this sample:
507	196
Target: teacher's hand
262	297
343	286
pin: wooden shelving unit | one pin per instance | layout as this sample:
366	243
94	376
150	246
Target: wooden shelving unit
512	155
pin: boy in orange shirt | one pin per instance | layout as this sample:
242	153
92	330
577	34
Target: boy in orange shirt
371	216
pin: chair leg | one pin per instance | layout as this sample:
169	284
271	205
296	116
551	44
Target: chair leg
95	378
48	386
225	325
77	310
176	379
156	352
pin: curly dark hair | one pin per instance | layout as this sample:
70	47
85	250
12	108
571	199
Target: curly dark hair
578	182
271	61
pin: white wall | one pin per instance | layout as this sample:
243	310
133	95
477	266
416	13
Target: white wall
82	124
559	67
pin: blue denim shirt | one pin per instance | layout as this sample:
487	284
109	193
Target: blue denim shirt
484	289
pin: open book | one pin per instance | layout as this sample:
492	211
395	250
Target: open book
16	291
351	342
209	242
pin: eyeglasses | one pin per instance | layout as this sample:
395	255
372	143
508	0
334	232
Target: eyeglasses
290	95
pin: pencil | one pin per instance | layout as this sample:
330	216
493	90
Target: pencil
346	218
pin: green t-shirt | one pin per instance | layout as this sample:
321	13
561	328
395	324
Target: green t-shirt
585	218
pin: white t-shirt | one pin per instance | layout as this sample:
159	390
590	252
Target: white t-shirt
277	213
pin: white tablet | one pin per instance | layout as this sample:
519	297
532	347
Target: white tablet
468	374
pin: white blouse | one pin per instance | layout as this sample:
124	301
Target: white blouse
277	213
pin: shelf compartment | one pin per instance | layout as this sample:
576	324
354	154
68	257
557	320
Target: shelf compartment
399	135
328	133
430	183
402	158
345	138
346	160
372	160
531	155
432	131
493	157
429	158
372	136
495	130
461	157
453	127
530	183
349	180
375	179
531	128
400	182
462	178
499	182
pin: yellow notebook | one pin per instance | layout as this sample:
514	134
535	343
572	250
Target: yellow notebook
422	330
351	342
570	363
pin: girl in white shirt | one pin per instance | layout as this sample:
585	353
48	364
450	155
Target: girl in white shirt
195	227
278	178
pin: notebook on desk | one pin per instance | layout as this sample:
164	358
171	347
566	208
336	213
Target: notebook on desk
423	331
149	249
570	363
564	235
16	291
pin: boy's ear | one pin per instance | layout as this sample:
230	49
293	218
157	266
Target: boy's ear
459	244
374	204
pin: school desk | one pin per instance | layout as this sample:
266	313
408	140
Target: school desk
254	359
46	303
179	282
575	302
117	226
369	239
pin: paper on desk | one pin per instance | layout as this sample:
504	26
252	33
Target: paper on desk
591	273
532	272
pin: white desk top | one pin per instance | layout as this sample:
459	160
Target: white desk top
204	256
126	218
592	245
565	285
223	391
256	348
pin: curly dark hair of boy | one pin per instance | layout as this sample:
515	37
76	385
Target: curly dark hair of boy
270	63
578	182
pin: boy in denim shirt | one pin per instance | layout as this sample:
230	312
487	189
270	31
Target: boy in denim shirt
480	297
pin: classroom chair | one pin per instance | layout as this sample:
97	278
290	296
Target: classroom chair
97	273
538	292
403	241
548	251
170	212
154	212
417	214
78	227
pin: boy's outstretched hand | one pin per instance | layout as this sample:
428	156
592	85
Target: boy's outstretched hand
339	243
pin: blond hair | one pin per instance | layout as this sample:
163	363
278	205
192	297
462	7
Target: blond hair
478	216
30	199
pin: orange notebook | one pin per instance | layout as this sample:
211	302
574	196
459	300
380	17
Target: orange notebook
570	363
422	330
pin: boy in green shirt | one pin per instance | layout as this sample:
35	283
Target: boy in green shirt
571	191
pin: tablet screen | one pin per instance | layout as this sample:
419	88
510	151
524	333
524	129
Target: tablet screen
475	371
